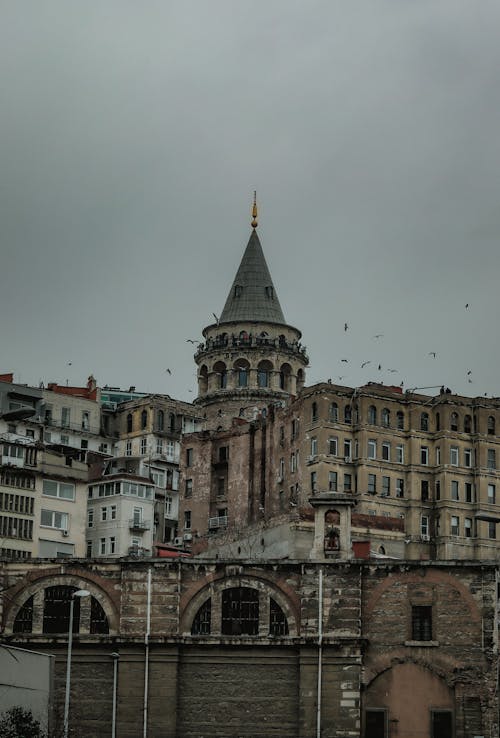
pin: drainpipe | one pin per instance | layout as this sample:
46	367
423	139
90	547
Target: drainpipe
146	659
320	652
115	656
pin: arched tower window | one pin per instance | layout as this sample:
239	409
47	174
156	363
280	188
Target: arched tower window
130	423
264	370
171	422
220	370
372	415
454	421
238	290
424	421
242	368
144	419
334	412
386	417
300	379
203	380
285	377
270	293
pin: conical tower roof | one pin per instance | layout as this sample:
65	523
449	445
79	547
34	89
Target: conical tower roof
252	296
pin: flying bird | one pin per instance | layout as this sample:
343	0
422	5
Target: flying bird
469	381
469	372
432	353
345	326
365	363
167	371
466	305
378	335
379	367
190	340
70	363
392	370
345	360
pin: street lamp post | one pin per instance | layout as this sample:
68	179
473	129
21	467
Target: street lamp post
78	593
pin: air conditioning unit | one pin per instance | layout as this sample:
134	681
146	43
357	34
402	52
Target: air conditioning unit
188	536
178	541
425	537
65	533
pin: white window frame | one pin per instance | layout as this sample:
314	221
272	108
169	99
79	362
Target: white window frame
61	490
454	455
372	449
59	520
400	454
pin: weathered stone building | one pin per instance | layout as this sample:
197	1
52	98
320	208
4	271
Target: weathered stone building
277	648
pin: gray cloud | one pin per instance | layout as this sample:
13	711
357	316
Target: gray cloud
132	137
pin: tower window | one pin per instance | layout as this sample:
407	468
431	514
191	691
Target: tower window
270	293
238	289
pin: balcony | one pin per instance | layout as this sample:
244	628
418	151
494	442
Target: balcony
216	523
137	524
138	552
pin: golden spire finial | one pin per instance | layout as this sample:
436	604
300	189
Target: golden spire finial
254	210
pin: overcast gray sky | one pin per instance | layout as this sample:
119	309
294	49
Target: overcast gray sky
132	136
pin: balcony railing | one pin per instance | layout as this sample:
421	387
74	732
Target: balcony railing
136	524
219	522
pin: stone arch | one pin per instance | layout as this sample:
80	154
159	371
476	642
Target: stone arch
213	589
76	580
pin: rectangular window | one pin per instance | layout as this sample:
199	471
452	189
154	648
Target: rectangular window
438	455
64	440
386	486
424	490
332	446
221	486
400	454
112	545
441	724
491	494
54	519
314	446
424	526
469	497
89	549
90	518
128	448
468	527
455	525
168	506
492	530
421	623
454	456
347	483
62	490
144	446
293	462
189	488
187	519
347	448
454	490
372	449
112	512
386	451
400	487
313	481
492	461
65	417
159	446
372	483
85	421
102	546
468	457
104	514
189	457
438	489
281	472
332	481
424	455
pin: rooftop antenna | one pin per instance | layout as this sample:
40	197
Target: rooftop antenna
254	210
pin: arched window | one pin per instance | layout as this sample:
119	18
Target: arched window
144	419
240	611
220	370
242	371
424	421
161	420
238	289
491	425
334	412
130	424
454	421
347	414
467	424
372	415
202	622
203	380
386	417
264	370
314	412
171	422
24	618
400	420
278	624
270	293
285	377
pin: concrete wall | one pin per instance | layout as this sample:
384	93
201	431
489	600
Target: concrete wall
26	680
